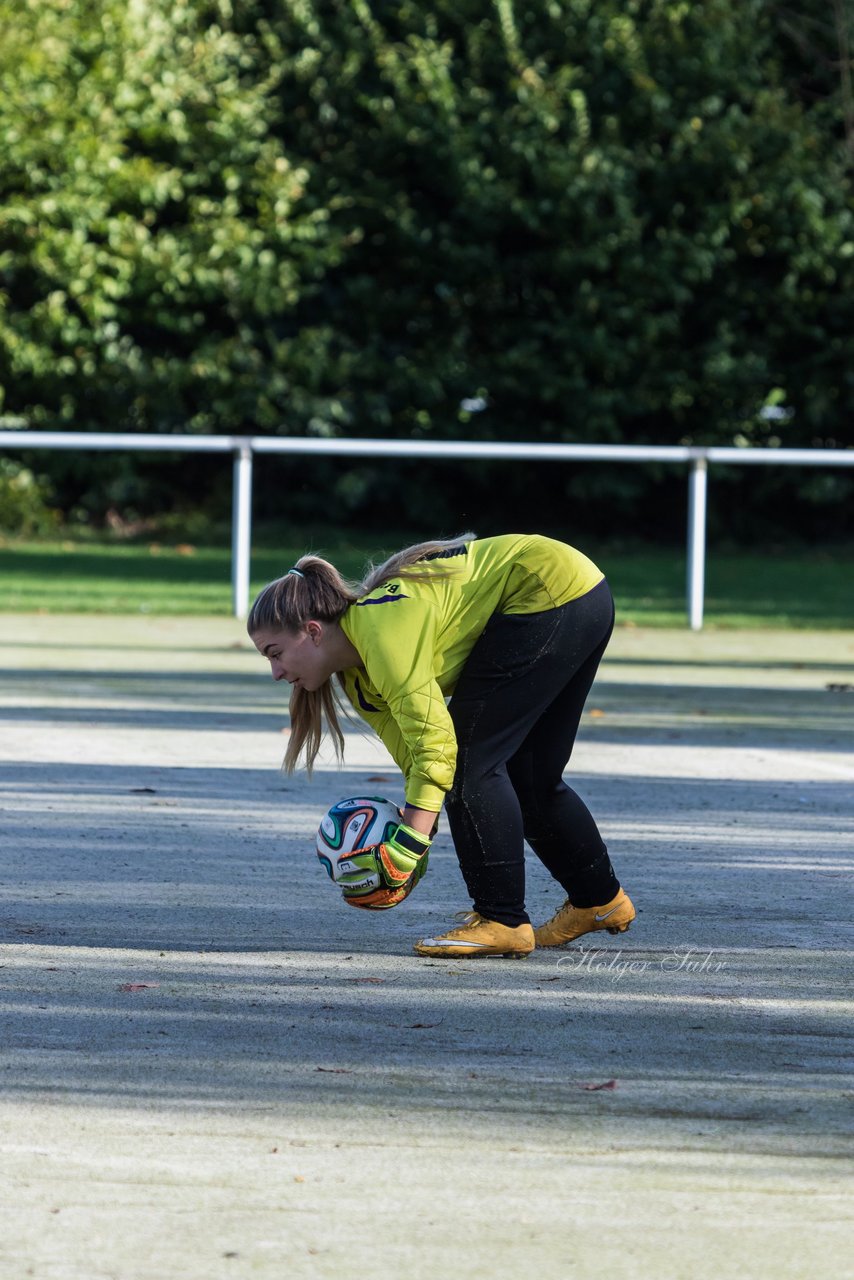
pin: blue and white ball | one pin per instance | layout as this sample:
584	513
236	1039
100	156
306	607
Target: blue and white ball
350	825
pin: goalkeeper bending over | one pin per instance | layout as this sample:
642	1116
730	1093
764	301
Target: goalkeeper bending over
513	629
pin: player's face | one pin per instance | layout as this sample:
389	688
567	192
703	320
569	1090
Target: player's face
300	657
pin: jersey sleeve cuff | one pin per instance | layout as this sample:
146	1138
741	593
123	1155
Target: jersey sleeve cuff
425	796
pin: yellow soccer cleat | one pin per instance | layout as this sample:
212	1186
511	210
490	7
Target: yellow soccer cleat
571	922
477	936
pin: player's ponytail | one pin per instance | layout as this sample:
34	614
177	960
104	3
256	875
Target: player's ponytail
314	589
403	564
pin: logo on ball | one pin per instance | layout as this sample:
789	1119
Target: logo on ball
351	825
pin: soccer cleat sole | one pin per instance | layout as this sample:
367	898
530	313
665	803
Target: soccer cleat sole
619	928
475	955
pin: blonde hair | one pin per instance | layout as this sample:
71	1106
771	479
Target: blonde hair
317	591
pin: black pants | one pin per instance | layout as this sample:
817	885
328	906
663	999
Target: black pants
516	711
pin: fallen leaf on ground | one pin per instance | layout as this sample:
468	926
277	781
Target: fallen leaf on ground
373	981
143	791
335	1071
378	777
595	713
608	1084
138	986
423	1026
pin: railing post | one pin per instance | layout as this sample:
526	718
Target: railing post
241	530
697	492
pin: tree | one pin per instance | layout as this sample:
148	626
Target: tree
149	226
621	220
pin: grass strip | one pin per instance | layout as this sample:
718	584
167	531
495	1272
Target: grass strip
798	589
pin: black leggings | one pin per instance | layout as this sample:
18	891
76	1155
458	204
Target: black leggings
516	711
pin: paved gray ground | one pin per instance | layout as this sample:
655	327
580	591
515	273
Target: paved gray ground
287	1091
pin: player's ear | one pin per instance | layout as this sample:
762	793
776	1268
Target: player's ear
314	630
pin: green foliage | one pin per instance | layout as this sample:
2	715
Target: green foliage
148	228
608	219
628	220
24	501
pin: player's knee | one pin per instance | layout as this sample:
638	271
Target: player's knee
539	795
474	786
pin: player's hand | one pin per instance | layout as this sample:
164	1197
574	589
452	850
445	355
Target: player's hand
404	854
400	861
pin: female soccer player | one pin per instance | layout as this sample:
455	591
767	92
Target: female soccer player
513	629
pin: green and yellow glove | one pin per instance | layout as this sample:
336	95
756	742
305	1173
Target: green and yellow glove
397	866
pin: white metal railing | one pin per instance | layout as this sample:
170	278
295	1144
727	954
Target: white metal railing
244	447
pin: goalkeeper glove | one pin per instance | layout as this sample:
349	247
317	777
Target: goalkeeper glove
400	863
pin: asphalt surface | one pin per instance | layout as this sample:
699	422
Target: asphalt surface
210	1067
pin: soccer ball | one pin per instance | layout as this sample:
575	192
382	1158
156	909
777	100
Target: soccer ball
350	825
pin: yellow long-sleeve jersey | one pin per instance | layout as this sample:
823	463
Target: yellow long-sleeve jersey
414	636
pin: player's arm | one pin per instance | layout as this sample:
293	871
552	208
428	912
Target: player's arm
396	636
424	821
375	713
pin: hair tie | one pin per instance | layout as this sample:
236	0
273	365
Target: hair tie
297	572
